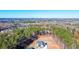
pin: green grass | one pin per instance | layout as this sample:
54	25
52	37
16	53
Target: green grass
11	38
64	35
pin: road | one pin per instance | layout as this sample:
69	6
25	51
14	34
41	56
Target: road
52	41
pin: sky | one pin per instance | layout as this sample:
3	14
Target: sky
39	13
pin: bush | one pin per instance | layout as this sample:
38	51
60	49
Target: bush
64	35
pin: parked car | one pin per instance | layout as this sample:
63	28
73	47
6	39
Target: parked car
41	45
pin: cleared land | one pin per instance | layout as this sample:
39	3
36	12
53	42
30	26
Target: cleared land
51	40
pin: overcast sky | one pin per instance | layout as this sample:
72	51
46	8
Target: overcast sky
39	13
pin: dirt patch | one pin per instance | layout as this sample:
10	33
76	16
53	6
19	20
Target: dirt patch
51	41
